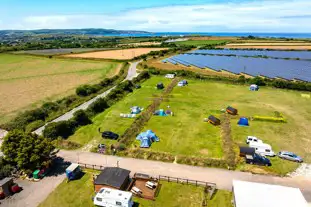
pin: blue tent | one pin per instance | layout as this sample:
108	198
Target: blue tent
254	87
136	110
146	138
243	122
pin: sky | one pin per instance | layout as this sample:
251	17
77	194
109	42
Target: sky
282	16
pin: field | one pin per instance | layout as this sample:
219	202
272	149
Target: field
125	54
200	42
270	45
27	81
59	51
110	119
80	193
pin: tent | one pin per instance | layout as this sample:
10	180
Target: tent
254	87
183	83
213	120
243	121
136	110
231	110
146	138
160	86
160	112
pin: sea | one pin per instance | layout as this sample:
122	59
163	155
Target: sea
218	34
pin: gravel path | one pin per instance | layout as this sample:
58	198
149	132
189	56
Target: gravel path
223	178
131	74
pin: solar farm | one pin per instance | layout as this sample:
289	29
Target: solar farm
288	65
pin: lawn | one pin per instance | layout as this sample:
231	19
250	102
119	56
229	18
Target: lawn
187	134
80	193
28	81
110	119
200	42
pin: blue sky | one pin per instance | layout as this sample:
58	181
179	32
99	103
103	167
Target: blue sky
159	16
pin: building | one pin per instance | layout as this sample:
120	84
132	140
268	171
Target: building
112	177
113	198
248	194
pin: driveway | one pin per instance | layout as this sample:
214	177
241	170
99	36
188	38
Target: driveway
223	178
131	74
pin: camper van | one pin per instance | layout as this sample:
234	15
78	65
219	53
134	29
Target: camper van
107	197
250	139
262	149
170	76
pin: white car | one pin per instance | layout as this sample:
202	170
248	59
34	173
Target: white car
250	139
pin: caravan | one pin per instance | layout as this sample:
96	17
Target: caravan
262	149
107	197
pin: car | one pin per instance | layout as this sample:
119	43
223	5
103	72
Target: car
110	135
257	160
253	139
290	156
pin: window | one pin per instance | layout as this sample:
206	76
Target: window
118	203
267	150
99	199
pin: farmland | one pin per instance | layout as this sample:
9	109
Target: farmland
200	42
27	81
58	51
80	193
270	45
125	54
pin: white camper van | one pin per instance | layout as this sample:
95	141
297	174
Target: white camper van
250	139
262	149
107	197
170	76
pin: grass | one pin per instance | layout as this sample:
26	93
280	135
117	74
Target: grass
80	192
62	51
28	81
200	42
186	133
110	119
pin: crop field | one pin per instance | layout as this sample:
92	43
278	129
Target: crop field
80	193
125	54
110	119
273	45
200	42
28	81
59	51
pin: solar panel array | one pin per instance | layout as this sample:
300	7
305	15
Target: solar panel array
305	55
271	68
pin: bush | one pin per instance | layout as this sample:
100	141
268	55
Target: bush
98	106
86	90
5	169
81	118
59	129
50	106
258	81
34	125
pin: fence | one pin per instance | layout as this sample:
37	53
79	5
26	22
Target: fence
93	167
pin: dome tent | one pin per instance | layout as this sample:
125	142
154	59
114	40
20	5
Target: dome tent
243	121
146	138
254	87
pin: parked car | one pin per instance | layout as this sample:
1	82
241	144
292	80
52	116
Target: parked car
290	156
110	135
257	160
253	139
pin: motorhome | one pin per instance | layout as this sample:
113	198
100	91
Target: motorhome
253	139
107	197
262	149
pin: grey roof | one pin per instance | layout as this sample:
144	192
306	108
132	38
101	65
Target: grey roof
5	180
112	176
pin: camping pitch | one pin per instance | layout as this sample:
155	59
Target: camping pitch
146	138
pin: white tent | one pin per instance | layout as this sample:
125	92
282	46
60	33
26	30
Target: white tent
248	194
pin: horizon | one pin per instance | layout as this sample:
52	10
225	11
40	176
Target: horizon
235	16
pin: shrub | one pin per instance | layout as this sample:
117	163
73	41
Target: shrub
59	129
65	144
81	118
86	90
98	106
34	125
50	106
258	81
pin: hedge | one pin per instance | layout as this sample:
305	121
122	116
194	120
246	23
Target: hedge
269	119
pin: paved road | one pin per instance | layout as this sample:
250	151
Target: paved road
131	74
223	178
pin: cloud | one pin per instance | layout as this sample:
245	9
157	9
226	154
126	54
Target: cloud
257	16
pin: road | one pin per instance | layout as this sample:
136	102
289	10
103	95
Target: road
223	178
131	74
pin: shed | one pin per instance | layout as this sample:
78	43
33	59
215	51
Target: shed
160	86
231	110
246	151
112	177
249	194
254	87
5	185
243	121
73	171
213	120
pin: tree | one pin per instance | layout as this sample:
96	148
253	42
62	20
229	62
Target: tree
5	169
26	151
81	118
59	129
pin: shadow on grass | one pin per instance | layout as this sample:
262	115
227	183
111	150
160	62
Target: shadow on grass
59	167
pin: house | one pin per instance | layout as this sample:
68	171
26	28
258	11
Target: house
112	177
249	194
231	110
113	198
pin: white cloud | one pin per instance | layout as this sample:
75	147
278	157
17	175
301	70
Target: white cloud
264	16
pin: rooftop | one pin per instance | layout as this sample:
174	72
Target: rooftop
112	176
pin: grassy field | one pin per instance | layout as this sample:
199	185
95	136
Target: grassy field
200	42
27	81
80	192
110	119
185	133
59	51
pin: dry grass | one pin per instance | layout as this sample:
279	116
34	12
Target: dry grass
137	44
26	82
126	54
270	45
213	38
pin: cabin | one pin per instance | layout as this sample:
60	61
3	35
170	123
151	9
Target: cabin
112	177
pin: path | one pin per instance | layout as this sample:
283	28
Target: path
223	178
131	74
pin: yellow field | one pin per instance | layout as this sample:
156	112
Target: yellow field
270	45
126	54
26	81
